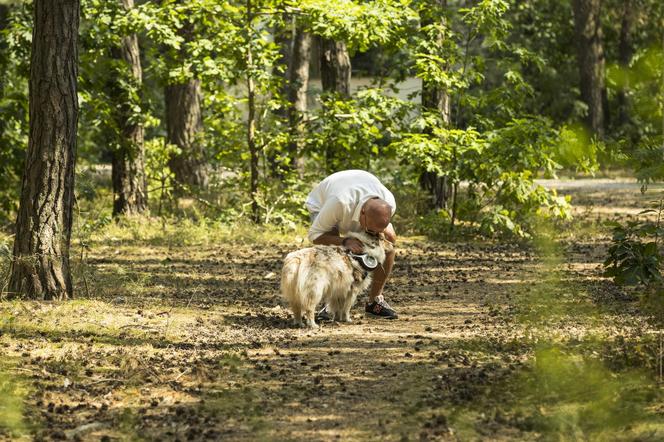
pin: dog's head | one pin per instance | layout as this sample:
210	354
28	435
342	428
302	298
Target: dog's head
374	245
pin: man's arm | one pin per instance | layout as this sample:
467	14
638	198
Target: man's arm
326	222
330	238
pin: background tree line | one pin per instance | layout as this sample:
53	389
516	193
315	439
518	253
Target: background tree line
211	101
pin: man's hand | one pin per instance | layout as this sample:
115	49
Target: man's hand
353	244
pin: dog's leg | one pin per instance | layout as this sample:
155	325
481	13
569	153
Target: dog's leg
309	318
345	315
348	304
297	315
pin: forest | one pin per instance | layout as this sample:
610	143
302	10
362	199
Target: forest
155	161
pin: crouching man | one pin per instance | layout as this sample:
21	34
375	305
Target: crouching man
354	201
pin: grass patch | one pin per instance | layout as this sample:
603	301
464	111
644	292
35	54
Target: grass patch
13	391
187	232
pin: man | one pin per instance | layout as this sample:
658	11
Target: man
354	201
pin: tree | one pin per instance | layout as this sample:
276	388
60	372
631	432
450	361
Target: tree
625	51
251	118
335	66
335	71
435	98
40	267
128	169
588	30
298	80
283	34
184	123
294	44
184	126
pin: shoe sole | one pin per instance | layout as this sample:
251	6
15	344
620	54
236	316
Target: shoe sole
373	315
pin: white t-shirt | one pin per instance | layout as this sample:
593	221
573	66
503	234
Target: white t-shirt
339	198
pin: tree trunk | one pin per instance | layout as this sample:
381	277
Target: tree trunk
128	167
283	38
40	268
335	67
251	122
184	123
588	31
298	80
335	73
436	99
625	51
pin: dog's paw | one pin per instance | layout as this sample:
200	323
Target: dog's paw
345	317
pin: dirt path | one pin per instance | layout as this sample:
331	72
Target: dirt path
191	342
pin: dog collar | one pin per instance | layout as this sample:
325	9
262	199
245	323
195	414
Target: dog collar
368	262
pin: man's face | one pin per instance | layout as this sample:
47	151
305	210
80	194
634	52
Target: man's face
369	225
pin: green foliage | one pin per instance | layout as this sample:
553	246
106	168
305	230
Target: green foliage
499	168
635	256
14	62
360	24
351	133
161	181
508	68
579	398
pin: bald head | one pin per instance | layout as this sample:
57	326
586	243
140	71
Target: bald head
377	214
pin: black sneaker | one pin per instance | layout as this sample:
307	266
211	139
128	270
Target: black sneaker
381	309
323	315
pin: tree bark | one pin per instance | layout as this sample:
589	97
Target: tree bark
298	81
283	37
335	67
128	166
251	121
184	121
335	71
40	268
436	99
589	37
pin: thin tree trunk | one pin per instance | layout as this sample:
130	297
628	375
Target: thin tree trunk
335	67
184	122
40	268
298	81
625	51
251	121
128	167
435	98
588	31
335	71
283	37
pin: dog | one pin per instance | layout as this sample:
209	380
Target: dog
331	274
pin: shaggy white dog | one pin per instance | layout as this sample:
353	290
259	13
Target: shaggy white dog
330	274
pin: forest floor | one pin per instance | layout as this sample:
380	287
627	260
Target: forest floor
182	336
